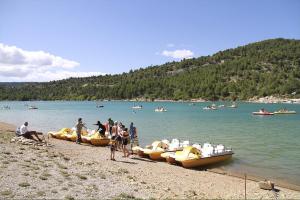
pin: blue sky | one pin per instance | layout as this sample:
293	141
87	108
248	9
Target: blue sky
113	36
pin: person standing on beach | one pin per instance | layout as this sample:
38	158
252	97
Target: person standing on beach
125	138
101	128
111	124
119	136
79	127
113	146
131	134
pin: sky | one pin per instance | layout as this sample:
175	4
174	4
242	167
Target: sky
43	40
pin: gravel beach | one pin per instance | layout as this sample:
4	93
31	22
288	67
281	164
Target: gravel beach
66	170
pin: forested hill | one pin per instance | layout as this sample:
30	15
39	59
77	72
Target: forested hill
270	67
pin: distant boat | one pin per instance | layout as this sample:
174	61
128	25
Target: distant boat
262	112
234	105
6	108
285	111
160	109
137	107
221	106
192	104
99	106
32	107
212	107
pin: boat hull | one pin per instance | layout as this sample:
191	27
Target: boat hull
156	156
259	113
141	154
170	160
284	113
192	163
86	139
100	142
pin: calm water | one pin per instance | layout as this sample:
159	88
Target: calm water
267	146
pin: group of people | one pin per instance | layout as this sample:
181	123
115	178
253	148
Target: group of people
120	136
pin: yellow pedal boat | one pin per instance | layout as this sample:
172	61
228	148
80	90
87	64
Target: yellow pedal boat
61	134
191	157
152	151
98	140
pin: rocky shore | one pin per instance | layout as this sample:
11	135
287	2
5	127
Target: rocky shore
272	99
65	170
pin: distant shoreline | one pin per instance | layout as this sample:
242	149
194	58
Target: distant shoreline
267	99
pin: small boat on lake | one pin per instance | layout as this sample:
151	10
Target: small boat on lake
32	107
285	111
262	112
160	109
6	108
212	107
234	105
138	107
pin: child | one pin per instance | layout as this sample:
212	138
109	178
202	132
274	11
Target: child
113	146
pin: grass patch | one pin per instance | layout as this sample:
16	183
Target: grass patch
82	177
66	158
43	178
25	174
123	171
6	137
46	174
124	196
64	173
131	178
102	176
69	197
5	162
95	187
60	166
35	167
54	191
24	184
6	193
79	163
41	193
64	188
71	185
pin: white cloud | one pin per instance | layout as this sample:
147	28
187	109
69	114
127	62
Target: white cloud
20	65
178	54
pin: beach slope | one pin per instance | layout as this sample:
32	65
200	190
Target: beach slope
71	171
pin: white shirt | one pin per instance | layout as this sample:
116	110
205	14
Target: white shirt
23	129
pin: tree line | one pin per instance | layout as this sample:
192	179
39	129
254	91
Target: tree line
270	67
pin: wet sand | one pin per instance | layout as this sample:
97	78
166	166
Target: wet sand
71	171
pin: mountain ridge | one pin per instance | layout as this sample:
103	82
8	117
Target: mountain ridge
264	68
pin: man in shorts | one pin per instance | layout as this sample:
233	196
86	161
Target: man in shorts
23	131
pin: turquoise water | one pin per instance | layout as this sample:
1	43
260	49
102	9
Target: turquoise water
267	146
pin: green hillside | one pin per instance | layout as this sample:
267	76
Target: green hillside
270	67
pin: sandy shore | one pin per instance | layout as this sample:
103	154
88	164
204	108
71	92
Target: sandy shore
71	171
